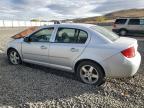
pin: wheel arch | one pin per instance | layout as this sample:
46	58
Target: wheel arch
13	49
82	60
10	48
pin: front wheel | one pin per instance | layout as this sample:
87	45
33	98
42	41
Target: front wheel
123	32
90	73
14	57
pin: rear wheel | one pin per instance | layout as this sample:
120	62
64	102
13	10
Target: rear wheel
90	73
14	57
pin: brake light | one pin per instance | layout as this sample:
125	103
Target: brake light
114	25
129	53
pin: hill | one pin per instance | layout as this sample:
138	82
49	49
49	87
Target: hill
126	13
110	16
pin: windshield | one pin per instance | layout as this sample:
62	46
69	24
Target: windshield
106	33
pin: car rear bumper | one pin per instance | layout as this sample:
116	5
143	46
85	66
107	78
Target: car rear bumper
115	30
120	66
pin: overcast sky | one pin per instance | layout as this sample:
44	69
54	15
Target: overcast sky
62	9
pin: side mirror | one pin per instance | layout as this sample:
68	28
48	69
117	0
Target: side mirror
26	39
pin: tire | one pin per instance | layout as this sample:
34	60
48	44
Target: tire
14	57
123	32
90	73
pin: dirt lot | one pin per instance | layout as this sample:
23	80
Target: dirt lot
35	86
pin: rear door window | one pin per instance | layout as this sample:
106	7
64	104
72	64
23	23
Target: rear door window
134	22
71	35
82	36
120	21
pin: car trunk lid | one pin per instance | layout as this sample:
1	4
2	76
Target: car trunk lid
124	43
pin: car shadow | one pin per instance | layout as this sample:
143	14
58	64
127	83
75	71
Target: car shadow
57	72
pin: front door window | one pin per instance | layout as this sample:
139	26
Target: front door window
42	35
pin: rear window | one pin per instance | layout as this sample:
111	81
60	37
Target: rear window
134	22
120	21
105	33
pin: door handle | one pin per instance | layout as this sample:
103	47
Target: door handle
74	50
43	47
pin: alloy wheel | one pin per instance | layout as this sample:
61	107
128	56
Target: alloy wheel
89	74
14	57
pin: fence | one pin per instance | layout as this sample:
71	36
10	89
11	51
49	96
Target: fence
14	23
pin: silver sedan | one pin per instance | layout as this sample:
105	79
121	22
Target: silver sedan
90	51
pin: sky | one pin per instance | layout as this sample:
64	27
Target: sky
62	9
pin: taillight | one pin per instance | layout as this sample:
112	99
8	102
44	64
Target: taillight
114	25
129	53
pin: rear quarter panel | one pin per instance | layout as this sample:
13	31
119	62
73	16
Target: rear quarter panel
97	50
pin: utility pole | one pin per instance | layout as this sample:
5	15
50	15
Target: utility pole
3	23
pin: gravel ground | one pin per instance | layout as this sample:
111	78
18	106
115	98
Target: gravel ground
35	86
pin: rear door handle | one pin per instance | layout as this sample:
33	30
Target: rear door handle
74	50
43	47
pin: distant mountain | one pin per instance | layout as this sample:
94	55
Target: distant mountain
110	16
126	13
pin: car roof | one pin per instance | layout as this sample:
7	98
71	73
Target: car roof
70	25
